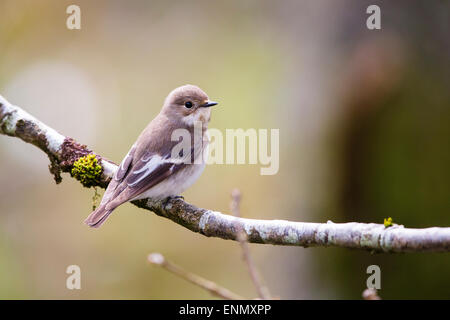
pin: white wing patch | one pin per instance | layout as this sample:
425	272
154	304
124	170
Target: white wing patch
154	162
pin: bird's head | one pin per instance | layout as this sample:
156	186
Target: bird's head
188	104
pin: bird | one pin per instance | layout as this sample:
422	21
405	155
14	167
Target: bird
150	169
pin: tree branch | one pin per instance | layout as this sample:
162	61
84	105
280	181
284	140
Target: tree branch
219	291
64	151
370	294
262	290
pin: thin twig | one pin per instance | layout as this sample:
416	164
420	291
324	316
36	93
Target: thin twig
370	294
262	290
221	292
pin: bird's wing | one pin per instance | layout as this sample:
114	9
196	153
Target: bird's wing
150	170
125	164
113	188
136	176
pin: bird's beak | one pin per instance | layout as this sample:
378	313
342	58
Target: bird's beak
209	104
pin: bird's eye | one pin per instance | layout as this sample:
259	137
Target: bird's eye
188	104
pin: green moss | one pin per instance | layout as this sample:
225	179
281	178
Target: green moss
388	222
87	170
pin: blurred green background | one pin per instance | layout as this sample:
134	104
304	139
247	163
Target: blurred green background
364	119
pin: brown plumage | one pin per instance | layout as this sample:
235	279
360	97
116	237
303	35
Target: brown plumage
149	170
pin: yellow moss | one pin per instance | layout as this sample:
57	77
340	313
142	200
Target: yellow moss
87	170
388	222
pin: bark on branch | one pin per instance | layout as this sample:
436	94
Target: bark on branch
64	151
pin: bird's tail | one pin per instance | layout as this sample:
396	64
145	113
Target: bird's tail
99	216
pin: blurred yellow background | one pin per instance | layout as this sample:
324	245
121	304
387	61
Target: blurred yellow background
364	119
